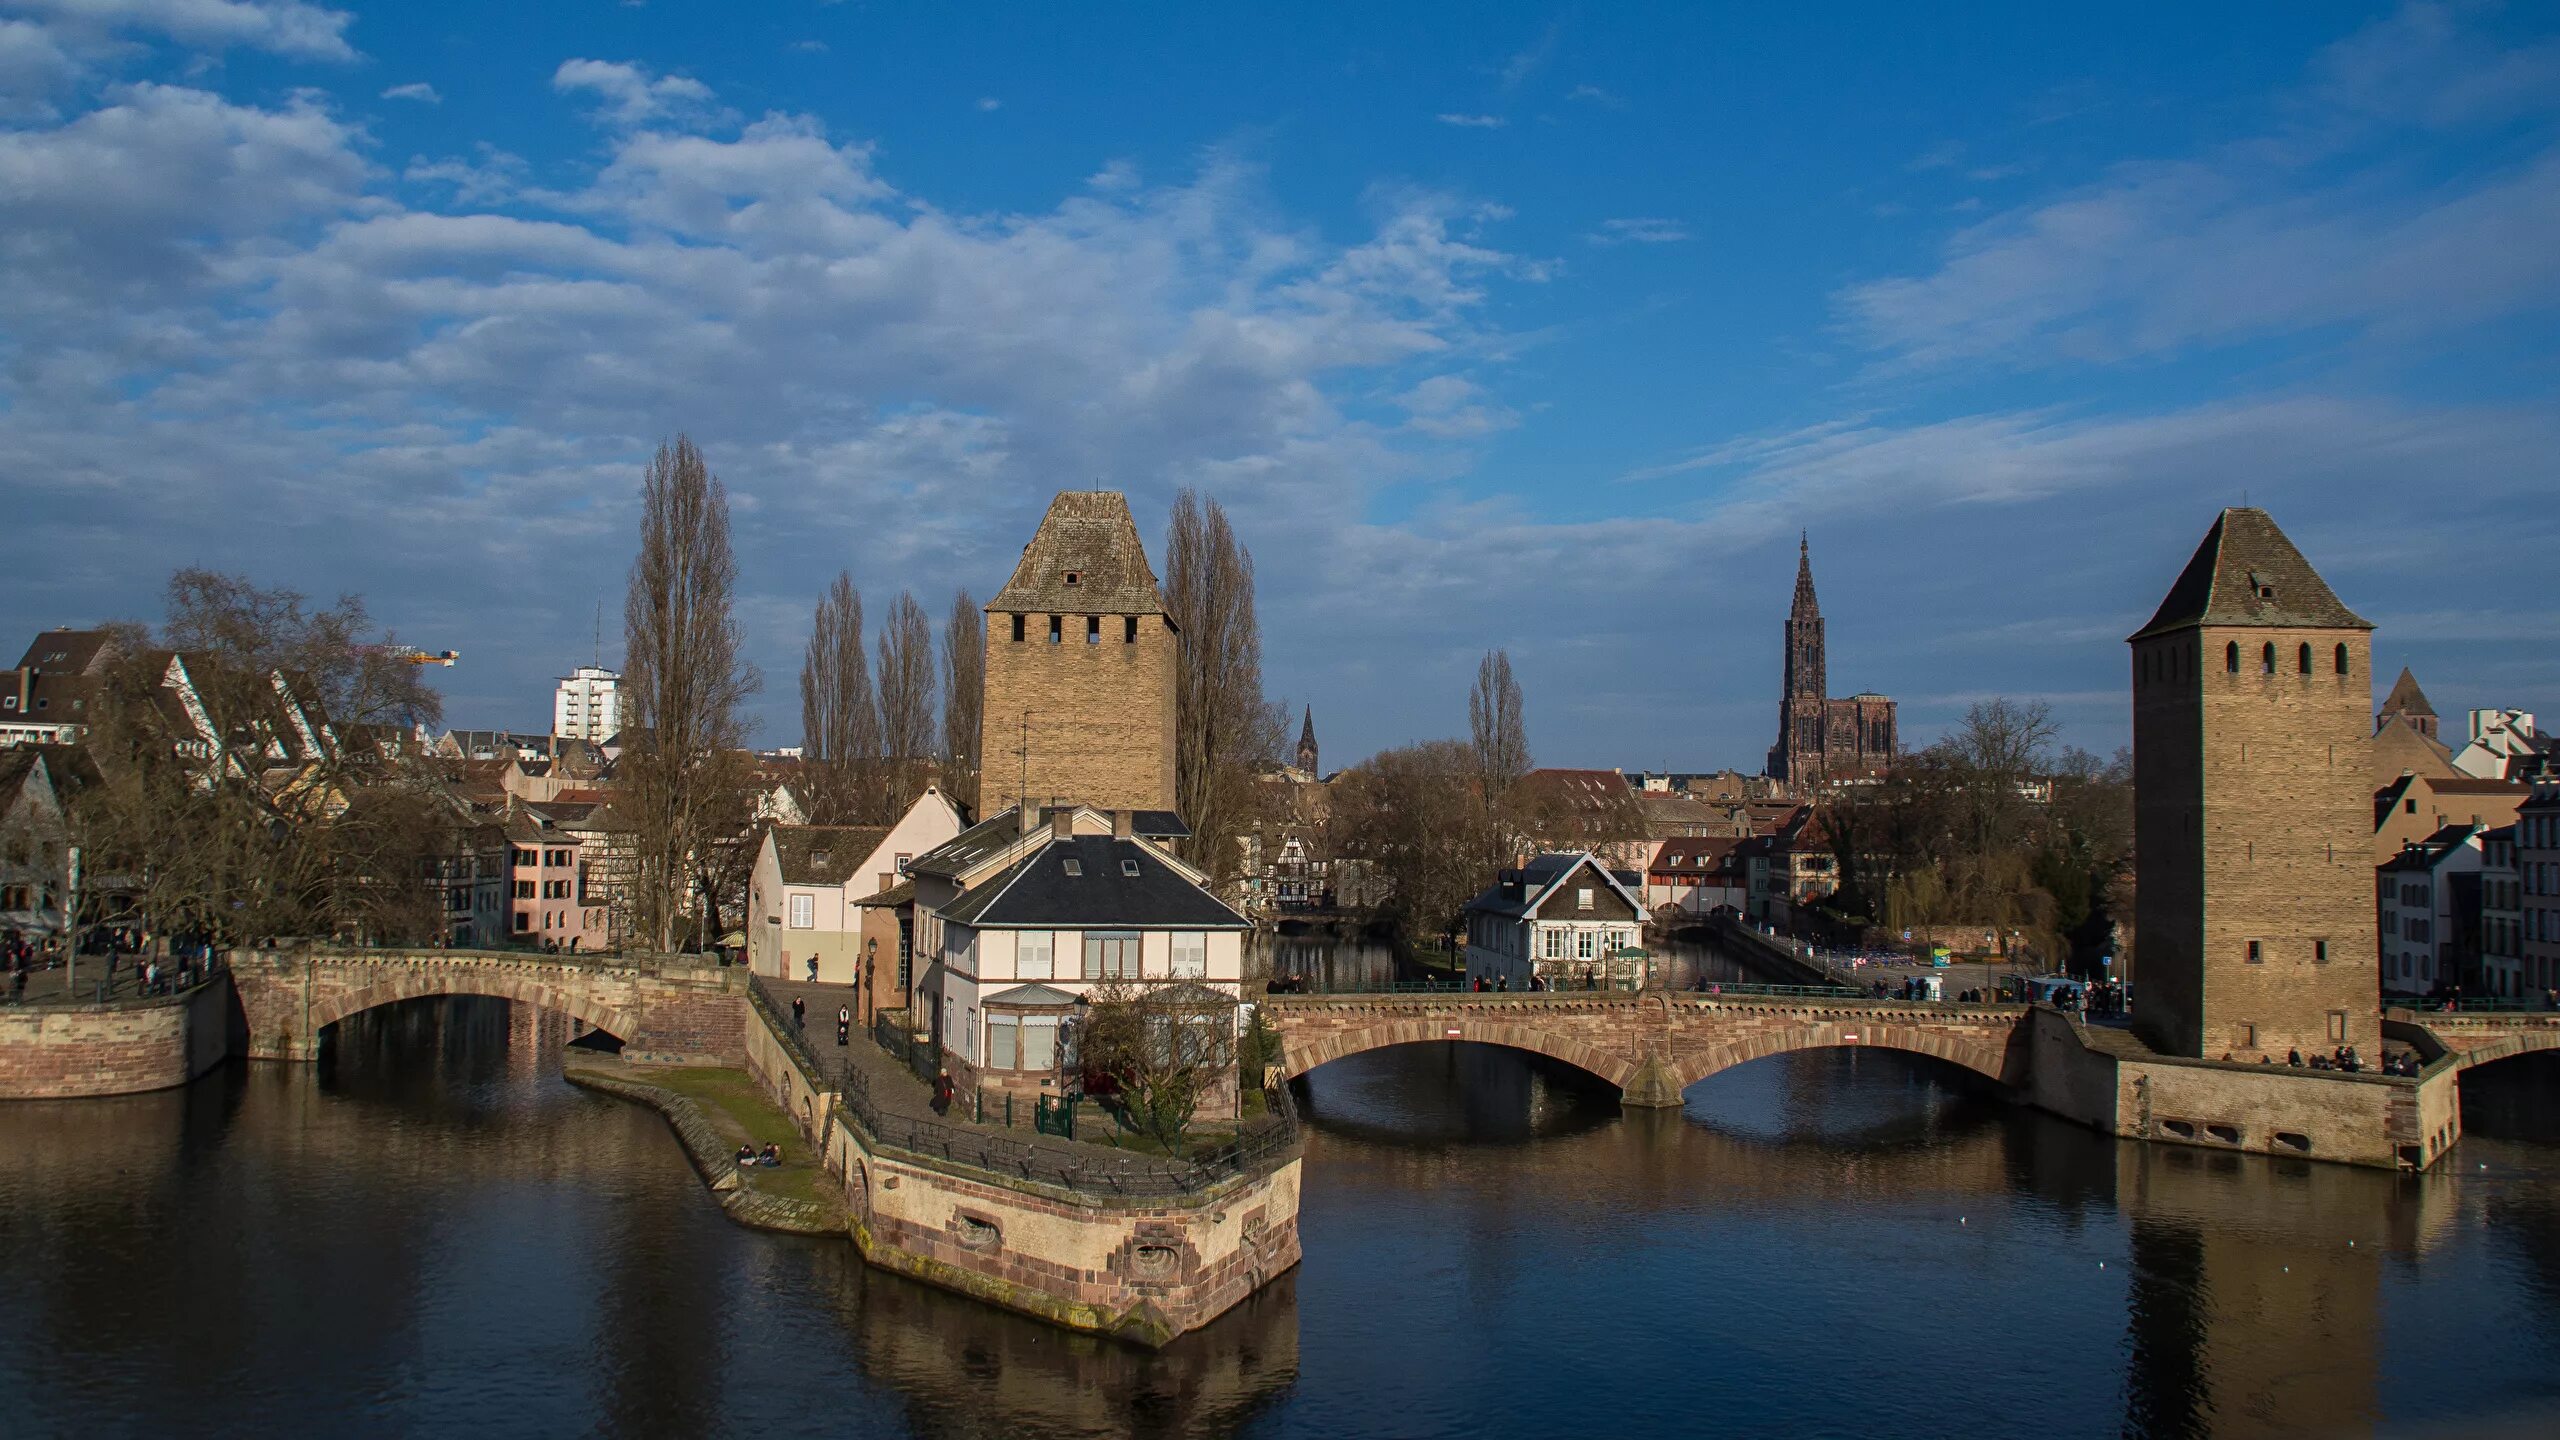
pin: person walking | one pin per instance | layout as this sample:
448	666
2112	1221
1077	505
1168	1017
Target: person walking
942	1093
799	1013
844	1024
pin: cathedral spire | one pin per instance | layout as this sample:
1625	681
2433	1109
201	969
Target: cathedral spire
1307	742
1805	607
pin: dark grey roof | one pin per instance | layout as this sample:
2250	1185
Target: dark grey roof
2247	573
2406	698
1038	891
1028	995
1542	874
971	847
823	854
1087	534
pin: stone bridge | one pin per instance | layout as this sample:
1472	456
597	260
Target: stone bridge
1651	1046
2478	1037
664	1008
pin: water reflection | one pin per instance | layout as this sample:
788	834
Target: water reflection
431	1232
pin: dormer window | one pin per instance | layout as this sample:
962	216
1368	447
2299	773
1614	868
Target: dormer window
817	857
1075	577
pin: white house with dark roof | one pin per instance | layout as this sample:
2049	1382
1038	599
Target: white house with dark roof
1565	920
1026	914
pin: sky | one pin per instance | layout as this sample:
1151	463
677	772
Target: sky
1546	328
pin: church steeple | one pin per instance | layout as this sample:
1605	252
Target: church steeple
1806	607
1307	742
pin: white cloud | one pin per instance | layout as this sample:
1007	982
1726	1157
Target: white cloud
33	70
2365	203
417	90
1472	122
810	47
1639	230
220	322
1594	95
1532	58
285	27
989	102
630	95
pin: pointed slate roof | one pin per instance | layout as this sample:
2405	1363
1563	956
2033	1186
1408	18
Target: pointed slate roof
1307	731
1805	606
2247	573
2406	698
1087	535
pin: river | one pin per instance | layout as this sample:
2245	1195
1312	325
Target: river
432	1233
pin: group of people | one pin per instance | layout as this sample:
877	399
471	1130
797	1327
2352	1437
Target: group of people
844	1019
749	1156
2345	1058
1502	983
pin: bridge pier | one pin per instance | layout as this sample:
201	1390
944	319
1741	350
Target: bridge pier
1655	1086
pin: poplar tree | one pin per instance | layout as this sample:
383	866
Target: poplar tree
839	718
1226	734
906	704
684	679
964	698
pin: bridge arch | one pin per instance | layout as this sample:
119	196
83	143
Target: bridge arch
1618	1070
2506	1048
428	983
1843	1035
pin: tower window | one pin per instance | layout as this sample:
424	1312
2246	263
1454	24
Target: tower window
2267	658
2303	661
2231	657
2257	953
1057	629
1075	577
1017	629
1128	629
2342	658
1093	629
2319	952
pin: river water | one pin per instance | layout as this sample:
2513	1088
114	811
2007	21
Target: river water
432	1233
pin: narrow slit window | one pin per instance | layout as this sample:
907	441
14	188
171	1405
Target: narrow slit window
2303	661
1093	629
2231	657
2341	661
1057	629
2257	953
2267	658
1017	629
1129	630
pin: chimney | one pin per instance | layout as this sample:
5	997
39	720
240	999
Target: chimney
1062	823
1029	815
1123	824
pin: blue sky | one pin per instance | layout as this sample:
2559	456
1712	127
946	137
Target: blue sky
1491	325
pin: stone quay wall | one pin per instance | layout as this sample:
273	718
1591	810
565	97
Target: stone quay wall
1139	1268
121	1047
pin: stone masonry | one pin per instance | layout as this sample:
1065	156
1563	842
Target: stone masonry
2253	806
1650	1046
1081	657
663	1008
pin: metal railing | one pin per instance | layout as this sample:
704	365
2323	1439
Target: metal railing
1461	990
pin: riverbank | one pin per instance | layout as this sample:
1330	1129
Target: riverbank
713	1111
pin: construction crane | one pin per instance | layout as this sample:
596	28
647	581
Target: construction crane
407	655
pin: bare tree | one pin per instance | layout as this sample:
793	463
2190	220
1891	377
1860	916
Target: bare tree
906	704
1226	734
1495	715
964	697
1162	1047
358	675
1414	819
839	719
683	682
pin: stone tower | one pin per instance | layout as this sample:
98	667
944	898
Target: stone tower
2407	702
2253	807
1307	743
1081	657
1803	704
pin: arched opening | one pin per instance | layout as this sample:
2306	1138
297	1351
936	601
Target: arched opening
2341	660
2304	662
2267	658
2231	657
1861	1096
1444	1092
526	995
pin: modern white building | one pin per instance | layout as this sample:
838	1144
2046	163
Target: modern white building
588	705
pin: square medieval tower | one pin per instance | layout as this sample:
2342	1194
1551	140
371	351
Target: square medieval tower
2253	806
1081	658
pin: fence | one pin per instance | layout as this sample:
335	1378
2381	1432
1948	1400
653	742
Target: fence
1459	988
1093	1169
